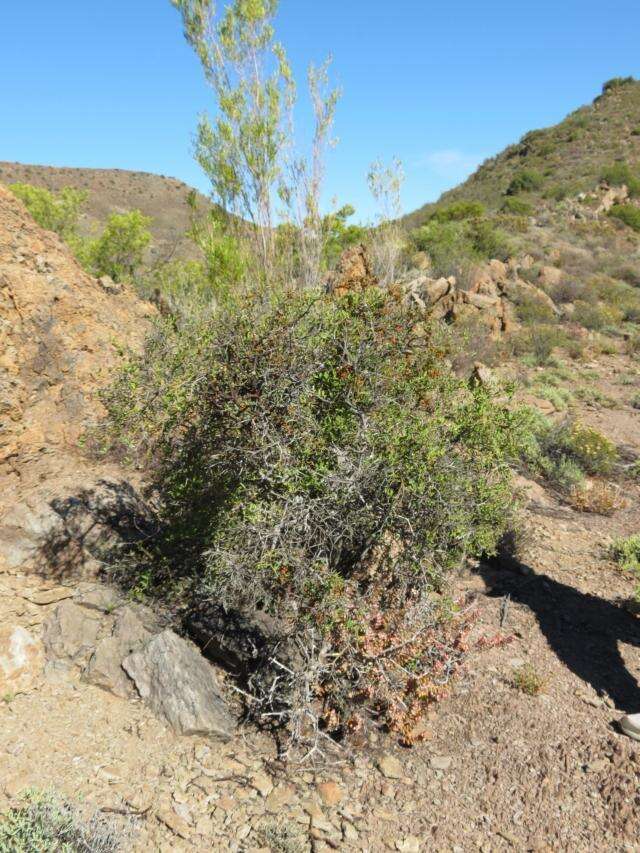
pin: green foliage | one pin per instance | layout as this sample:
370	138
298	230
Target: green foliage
619	174
314	457
57	212
564	453
616	83
527	680
458	211
246	152
527	180
44	823
338	235
627	213
119	251
452	245
626	552
517	206
537	342
595	317
530	310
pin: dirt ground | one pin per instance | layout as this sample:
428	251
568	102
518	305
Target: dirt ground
499	770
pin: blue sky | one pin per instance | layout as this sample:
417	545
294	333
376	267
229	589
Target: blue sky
111	83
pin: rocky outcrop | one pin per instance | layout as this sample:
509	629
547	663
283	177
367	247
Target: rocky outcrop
353	272
61	334
488	299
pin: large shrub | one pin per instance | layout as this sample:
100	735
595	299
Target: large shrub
526	180
317	459
57	212
453	245
119	251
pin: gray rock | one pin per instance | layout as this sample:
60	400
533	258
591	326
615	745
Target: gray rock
104	669
179	685
71	633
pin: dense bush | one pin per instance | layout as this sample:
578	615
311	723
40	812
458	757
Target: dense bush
525	181
119	251
627	213
318	461
620	173
57	212
452	246
517	206
458	211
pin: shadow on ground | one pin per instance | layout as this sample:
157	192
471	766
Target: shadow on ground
584	631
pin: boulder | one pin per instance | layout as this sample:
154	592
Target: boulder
21	660
105	669
180	686
71	633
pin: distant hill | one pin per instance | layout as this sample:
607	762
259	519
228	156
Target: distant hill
565	159
116	190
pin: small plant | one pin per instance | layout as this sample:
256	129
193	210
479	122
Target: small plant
619	174
46	823
596	496
590	448
283	836
527	680
536	343
626	552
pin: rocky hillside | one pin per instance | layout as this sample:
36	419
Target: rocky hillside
60	333
566	159
115	191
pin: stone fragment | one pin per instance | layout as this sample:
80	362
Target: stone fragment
390	766
330	793
180	686
21	660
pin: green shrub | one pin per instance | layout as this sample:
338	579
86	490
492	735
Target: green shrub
518	206
593	451
316	460
616	83
338	235
488	241
458	211
627	213
525	181
119	251
620	173
531	310
595	317
55	212
537	343
45	823
626	552
452	245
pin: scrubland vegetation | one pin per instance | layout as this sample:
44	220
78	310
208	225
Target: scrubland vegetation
323	459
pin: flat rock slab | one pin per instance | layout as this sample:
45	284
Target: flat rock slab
180	686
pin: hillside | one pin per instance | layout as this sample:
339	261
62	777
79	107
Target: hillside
60	334
117	190
569	157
